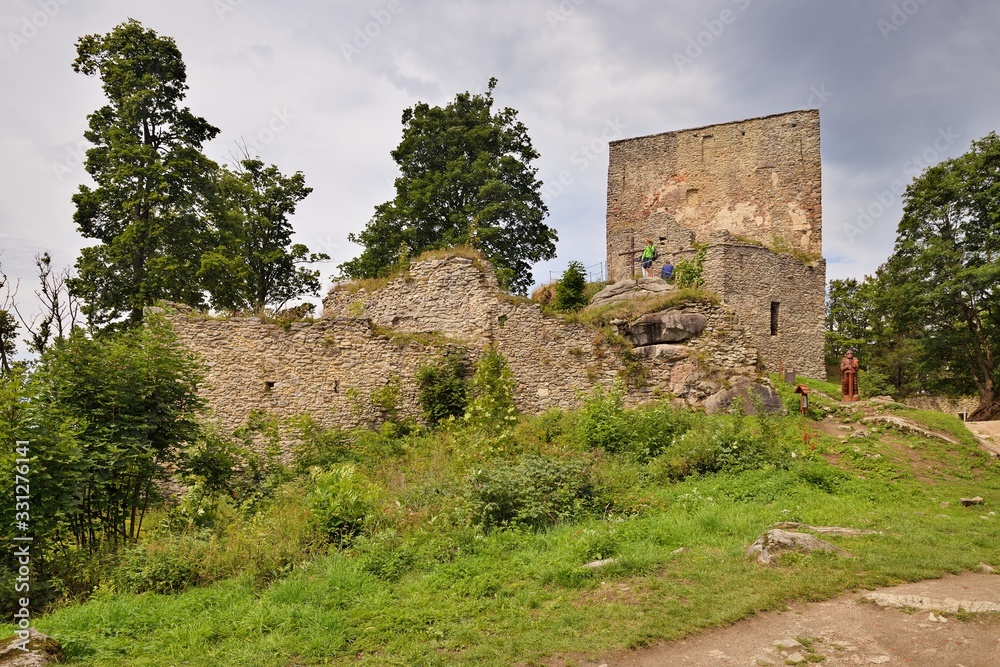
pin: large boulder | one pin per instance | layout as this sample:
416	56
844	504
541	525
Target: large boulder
665	352
41	650
754	399
630	289
774	541
671	326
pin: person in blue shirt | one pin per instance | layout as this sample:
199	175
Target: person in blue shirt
667	271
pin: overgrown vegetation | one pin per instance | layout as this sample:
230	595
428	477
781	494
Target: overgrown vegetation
688	272
384	546
570	288
443	394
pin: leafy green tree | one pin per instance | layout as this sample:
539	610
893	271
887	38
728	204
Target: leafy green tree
148	207
859	318
569	289
466	179
943	274
253	263
118	410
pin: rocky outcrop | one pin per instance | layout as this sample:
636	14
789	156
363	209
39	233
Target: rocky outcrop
35	650
623	290
753	398
671	326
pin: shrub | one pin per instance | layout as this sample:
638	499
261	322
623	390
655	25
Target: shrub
533	492
492	409
688	272
605	422
642	433
874	382
725	443
341	500
318	445
169	569
385	399
544	294
570	288
443	393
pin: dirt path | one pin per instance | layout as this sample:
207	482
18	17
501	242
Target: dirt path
852	630
988	434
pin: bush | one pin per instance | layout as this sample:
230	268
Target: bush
533	492
492	409
570	288
317	445
169	569
341	500
874	382
688	272
725	443
443	393
643	432
604	420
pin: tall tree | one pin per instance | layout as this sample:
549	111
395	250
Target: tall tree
252	262
859	318
466	178
148	207
945	268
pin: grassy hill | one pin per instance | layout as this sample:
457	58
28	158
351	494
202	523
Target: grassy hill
465	546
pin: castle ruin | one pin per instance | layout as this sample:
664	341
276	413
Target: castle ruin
746	192
749	192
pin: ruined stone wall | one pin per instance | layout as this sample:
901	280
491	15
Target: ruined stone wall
326	368
767	289
330	367
755	282
454	295
759	179
964	405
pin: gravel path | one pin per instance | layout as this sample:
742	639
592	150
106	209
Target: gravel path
917	625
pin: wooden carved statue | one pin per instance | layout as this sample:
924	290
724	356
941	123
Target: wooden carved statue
849	377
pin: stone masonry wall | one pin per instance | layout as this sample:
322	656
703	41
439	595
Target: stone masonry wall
758	178
329	368
751	280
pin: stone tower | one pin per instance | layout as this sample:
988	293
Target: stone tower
750	193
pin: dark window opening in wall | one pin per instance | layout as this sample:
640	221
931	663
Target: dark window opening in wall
268	385
502	320
336	386
774	317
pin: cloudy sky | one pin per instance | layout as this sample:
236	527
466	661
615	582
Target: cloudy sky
319	86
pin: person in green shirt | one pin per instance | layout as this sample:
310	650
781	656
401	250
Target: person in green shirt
648	255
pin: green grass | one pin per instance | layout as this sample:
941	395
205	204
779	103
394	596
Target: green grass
424	586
